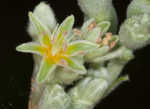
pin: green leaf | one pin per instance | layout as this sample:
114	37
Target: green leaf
30	47
46	70
80	46
104	25
38	25
115	84
76	67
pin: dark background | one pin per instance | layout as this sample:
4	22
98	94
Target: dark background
16	68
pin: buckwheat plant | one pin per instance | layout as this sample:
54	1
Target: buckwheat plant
75	68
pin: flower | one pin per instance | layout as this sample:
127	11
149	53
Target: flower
56	48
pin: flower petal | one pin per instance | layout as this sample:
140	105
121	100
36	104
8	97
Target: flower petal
45	71
93	35
85	26
45	14
80	46
76	67
66	26
45	40
42	30
104	25
30	47
64	30
38	25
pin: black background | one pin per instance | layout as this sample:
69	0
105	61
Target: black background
16	68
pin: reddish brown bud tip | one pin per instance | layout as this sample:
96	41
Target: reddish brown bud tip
108	36
91	26
98	40
105	41
112	44
77	32
63	62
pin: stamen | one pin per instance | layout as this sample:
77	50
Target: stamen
77	32
108	36
91	26
82	53
63	62
98	40
112	44
62	39
58	43
54	33
53	41
105	41
65	47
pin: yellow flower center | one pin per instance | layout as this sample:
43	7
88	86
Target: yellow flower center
54	58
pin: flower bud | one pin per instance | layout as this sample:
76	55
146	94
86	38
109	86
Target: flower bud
137	7
101	10
54	97
65	76
97	53
88	92
135	32
45	15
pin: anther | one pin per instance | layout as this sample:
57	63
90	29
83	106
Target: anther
91	26
112	44
65	33
63	62
54	39
105	41
98	40
65	47
108	36
77	32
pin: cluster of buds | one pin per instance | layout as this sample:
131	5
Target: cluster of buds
104	39
108	40
134	32
100	10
